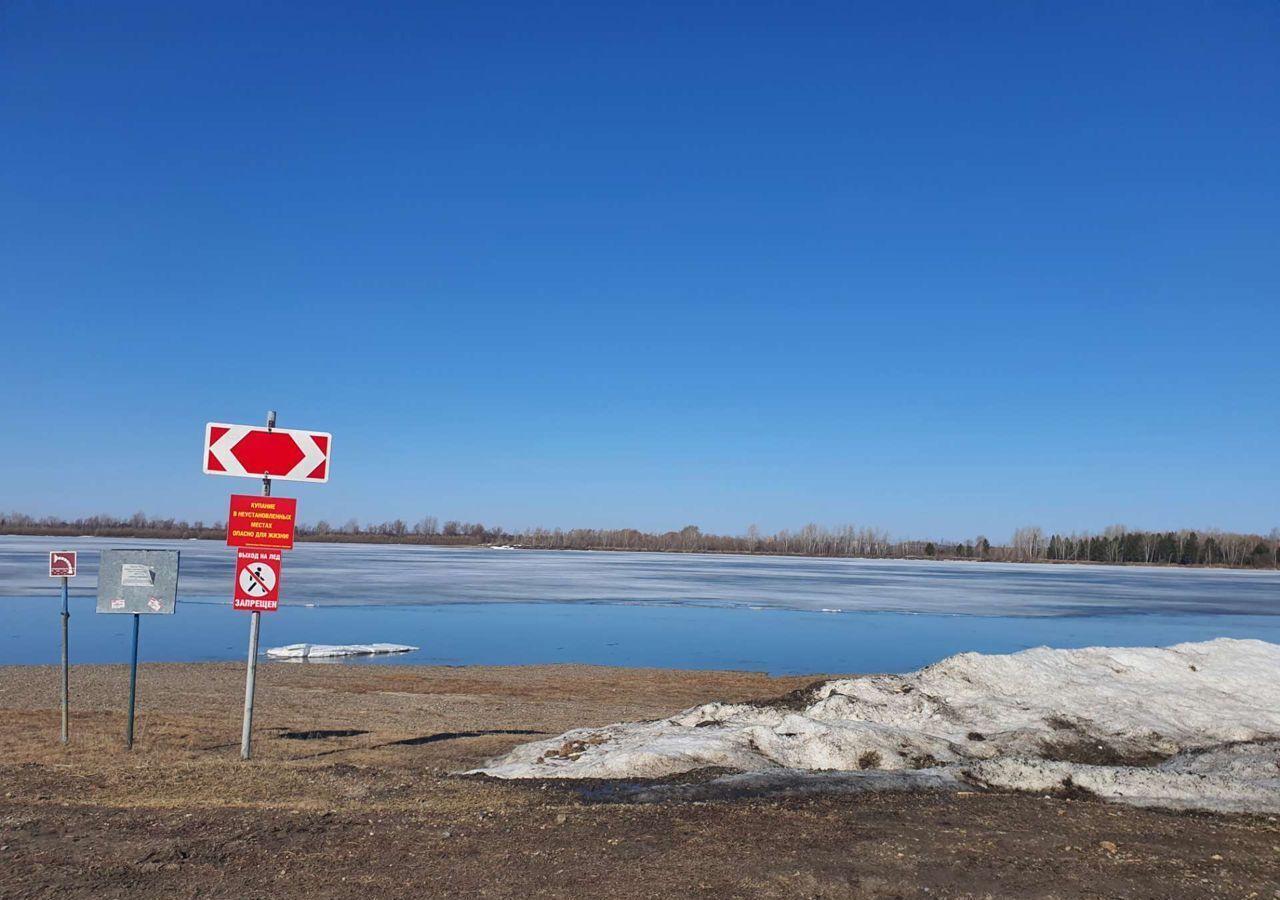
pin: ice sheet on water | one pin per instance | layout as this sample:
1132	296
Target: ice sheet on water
360	574
1096	718
328	651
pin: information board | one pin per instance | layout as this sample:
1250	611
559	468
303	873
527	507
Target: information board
144	582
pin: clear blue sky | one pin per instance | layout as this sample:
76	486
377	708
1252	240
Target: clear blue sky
942	268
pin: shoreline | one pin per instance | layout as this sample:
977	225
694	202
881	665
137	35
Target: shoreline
350	794
219	539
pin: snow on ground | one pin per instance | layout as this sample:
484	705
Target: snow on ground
779	783
1166	726
1214	779
326	651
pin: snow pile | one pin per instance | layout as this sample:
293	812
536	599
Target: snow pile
1101	717
328	651
1232	777
780	783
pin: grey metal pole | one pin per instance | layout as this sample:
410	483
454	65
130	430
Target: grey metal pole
247	728
133	684
255	620
66	679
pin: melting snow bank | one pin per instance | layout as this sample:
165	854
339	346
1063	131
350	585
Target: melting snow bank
1234	777
1184	726
327	651
786	783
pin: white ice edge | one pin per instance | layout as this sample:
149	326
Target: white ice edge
320	651
1213	708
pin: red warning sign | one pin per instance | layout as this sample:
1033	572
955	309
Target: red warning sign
257	581
261	521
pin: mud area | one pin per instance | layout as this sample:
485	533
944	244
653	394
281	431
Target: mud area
351	794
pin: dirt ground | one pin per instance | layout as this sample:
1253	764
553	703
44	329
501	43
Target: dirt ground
350	794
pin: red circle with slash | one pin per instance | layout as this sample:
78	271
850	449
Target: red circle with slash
257	581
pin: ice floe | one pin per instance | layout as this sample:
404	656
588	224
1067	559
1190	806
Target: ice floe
329	651
1187	725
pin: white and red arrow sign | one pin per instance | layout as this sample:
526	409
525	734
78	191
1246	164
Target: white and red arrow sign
252	451
62	564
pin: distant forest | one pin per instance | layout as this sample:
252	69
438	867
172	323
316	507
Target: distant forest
1115	544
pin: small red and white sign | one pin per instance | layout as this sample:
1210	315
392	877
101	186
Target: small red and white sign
62	564
254	451
257	581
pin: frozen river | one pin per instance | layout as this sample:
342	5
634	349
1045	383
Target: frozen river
705	611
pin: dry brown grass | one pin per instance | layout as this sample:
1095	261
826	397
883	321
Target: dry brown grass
360	802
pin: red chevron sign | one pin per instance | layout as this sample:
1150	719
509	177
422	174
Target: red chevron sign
252	451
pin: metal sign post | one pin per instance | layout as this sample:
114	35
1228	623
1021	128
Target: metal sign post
262	526
255	621
133	684
62	564
66	668
137	583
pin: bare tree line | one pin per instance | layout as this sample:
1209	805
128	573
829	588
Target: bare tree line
1115	544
